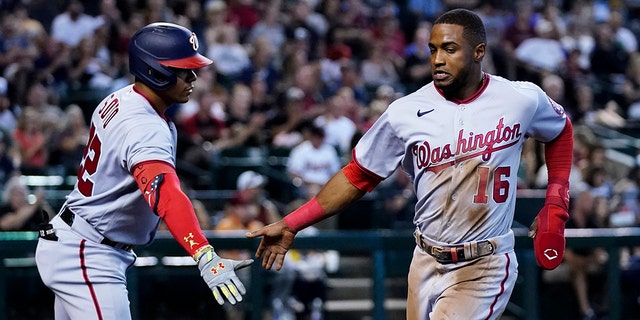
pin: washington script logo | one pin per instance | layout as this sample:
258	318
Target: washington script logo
469	145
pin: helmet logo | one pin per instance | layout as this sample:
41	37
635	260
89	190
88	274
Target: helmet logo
194	41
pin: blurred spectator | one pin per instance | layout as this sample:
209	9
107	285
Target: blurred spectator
33	143
417	68
598	181
240	214
8	110
284	126
307	294
631	87
338	128
216	21
8	157
270	27
71	25
386	30
303	30
17	53
157	10
398	201
307	78
338	54
20	210
52	66
91	65
49	114
588	261
609	62
378	68
67	145
202	134
246	127
622	34
518	29
494	18
426	10
312	162
541	53
626	192
579	38
261	65
554	86
251	187
350	78
229	56
243	15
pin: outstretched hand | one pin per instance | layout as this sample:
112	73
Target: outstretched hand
220	275
277	239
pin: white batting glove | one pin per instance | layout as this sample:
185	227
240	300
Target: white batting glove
220	275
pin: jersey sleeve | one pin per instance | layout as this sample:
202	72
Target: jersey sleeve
146	143
548	120
380	150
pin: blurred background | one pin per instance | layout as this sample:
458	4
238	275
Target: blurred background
293	86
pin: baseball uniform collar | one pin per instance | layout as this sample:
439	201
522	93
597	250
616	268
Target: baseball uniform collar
150	103
483	86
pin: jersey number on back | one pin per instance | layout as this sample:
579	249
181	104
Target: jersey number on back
89	163
500	187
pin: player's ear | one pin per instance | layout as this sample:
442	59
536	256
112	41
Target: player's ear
478	51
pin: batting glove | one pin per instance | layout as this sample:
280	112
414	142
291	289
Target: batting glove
220	275
547	230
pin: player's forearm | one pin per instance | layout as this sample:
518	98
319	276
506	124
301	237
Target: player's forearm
338	193
160	187
559	158
334	196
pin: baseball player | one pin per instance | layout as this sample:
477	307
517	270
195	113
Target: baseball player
459	138
126	184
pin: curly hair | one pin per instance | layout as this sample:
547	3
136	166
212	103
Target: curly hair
471	23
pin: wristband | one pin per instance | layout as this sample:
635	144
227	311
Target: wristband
308	214
558	193
198	254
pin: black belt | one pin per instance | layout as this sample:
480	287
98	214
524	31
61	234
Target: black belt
452	254
67	216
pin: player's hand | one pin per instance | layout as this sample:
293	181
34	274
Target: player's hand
277	239
547	231
220	275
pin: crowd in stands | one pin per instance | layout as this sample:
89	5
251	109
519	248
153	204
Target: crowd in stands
311	76
285	72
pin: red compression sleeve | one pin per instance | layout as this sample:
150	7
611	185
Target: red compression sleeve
359	177
559	157
308	214
170	203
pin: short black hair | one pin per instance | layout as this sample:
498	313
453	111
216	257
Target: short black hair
471	23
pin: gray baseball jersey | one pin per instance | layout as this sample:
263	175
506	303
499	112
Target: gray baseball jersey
124	132
463	158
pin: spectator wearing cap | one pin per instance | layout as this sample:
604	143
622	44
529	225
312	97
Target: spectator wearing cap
251	187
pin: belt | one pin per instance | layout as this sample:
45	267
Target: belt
452	254
67	216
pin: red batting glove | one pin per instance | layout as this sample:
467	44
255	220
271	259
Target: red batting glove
547	229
